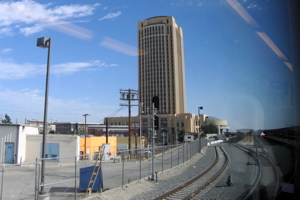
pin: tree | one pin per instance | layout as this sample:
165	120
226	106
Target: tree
7	120
210	128
181	135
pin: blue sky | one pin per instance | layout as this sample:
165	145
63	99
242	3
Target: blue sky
237	58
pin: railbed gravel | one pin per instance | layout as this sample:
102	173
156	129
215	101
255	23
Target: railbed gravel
242	168
146	189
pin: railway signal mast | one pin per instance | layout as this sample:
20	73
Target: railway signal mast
155	124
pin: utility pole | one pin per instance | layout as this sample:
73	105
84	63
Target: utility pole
85	132
106	131
129	95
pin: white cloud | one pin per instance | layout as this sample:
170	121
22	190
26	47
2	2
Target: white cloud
251	5
119	46
30	30
6	50
111	15
72	67
30	17
197	3
29	103
7	31
10	70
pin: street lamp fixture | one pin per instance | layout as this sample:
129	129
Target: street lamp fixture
44	42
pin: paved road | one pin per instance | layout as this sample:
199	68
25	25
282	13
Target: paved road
19	181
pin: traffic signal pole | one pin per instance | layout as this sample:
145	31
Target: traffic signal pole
155	122
153	143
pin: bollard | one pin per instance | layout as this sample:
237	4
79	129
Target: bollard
156	175
229	181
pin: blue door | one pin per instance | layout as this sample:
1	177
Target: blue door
9	152
52	151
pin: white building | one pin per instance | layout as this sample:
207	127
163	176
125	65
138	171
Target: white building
56	146
23	143
13	142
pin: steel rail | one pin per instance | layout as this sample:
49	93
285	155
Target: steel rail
188	183
268	157
258	177
220	171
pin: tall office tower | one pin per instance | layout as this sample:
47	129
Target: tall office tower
161	64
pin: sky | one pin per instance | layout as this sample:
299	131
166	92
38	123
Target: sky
238	58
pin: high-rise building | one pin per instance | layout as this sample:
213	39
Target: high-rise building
161	64
162	74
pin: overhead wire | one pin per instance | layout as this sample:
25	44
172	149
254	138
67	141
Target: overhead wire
113	114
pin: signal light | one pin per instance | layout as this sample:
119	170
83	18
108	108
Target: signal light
156	122
155	100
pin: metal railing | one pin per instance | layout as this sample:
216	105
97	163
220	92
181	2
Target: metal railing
64	176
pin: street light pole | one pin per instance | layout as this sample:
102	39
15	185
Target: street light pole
85	132
153	143
45	43
176	134
199	109
141	105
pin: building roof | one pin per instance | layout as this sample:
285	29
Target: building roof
211	118
157	17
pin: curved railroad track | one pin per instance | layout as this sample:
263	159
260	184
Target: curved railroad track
267	163
267	179
259	172
192	187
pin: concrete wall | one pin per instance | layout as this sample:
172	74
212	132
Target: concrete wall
68	146
93	144
8	133
17	135
23	131
124	141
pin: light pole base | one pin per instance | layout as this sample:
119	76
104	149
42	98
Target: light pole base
44	197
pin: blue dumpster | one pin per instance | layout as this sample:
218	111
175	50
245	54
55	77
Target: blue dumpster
85	176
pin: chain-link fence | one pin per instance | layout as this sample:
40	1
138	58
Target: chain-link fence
68	177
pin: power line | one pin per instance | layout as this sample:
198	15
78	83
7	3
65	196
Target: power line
113	114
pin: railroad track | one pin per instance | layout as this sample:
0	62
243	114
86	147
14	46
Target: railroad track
259	172
195	185
267	171
268	163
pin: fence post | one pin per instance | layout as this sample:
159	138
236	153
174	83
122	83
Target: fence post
123	160
140	164
194	148
36	179
183	152
190	151
75	188
162	160
187	152
2	182
171	158
178	156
